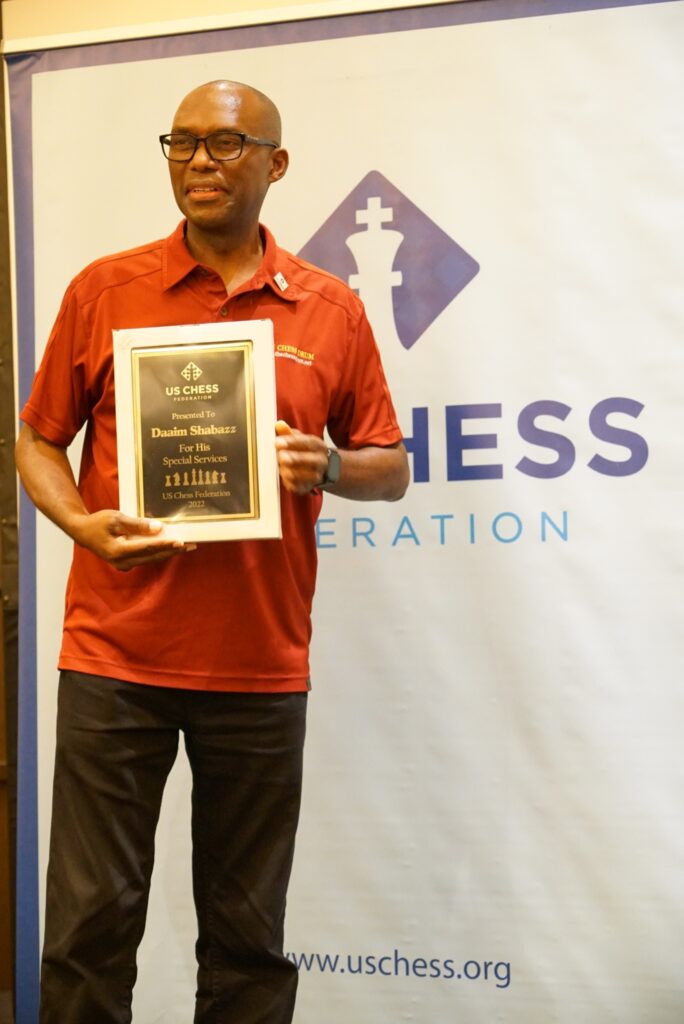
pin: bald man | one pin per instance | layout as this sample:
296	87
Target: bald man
211	640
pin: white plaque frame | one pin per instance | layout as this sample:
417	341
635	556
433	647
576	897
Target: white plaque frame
266	522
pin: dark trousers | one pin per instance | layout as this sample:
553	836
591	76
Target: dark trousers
116	743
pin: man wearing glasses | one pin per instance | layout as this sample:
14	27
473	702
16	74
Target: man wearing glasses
210	640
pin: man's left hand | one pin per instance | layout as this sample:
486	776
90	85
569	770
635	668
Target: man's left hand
302	458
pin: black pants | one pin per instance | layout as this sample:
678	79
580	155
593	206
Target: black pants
116	743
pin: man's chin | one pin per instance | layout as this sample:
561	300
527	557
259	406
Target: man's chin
208	218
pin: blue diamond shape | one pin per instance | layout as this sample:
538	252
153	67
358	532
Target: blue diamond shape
434	268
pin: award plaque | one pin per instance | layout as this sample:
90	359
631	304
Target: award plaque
195	420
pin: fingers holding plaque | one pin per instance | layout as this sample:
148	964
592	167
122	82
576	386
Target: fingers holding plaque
195	407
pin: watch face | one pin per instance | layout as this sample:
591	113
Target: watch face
332	474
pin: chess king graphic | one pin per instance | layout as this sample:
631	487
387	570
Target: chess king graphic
405	268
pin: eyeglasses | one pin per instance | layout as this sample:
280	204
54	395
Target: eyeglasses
182	146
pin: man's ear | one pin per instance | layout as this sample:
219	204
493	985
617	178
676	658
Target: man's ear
280	161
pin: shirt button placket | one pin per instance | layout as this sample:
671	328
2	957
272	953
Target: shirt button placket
223	311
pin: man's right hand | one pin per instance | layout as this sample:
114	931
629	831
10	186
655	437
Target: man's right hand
124	541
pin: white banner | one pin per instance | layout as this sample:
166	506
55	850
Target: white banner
491	826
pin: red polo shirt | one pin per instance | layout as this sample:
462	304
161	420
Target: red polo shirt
228	616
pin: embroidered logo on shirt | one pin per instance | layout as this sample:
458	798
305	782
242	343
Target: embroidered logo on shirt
298	355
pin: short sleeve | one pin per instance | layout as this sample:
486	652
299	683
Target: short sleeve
60	402
362	412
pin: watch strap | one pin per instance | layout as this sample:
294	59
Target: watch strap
332	470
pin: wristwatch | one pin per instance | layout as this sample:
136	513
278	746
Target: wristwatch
332	471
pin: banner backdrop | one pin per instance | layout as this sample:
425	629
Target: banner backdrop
492	824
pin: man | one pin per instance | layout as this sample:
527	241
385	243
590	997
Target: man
211	640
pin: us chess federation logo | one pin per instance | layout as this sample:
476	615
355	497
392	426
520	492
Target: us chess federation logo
405	268
191	372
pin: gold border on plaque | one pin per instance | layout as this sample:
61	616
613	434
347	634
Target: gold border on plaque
157	351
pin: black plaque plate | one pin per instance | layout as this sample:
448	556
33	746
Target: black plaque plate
194	431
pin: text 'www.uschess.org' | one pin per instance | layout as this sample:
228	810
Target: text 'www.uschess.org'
395	965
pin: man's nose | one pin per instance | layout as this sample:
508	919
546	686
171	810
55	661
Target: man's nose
202	156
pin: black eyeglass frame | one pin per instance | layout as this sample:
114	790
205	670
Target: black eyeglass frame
205	139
